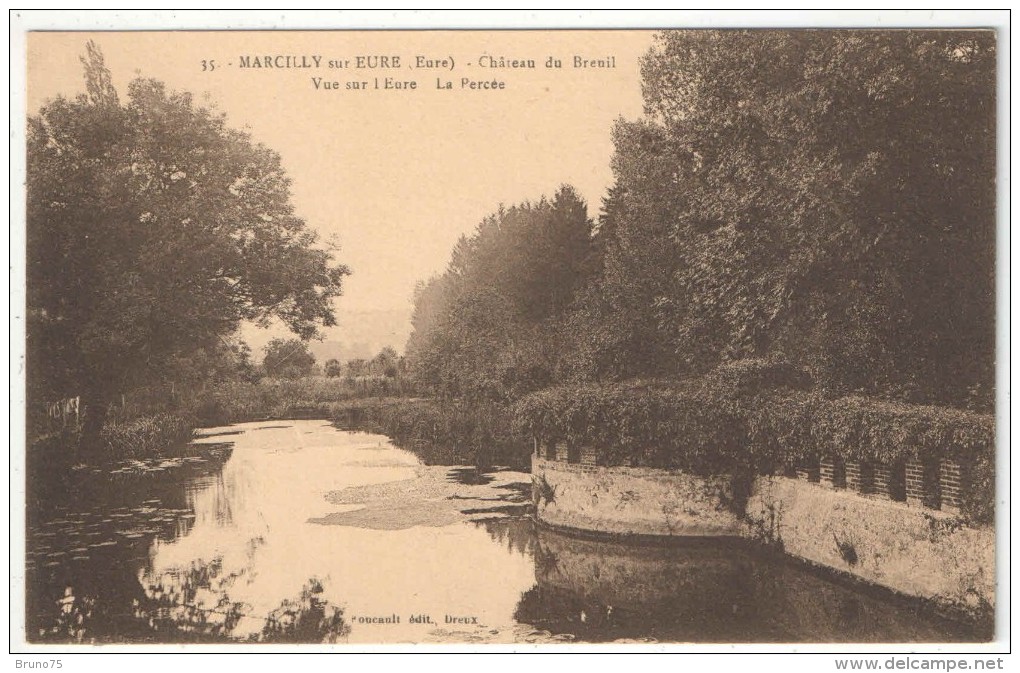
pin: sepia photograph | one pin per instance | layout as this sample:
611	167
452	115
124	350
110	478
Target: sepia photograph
523	336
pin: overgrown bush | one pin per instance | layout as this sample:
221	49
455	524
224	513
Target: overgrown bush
796	426
693	426
758	416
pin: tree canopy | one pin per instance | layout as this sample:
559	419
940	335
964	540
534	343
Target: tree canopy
821	196
154	229
838	201
484	326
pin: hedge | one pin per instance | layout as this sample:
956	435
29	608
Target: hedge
440	432
665	425
761	418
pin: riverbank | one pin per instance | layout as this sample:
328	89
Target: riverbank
54	462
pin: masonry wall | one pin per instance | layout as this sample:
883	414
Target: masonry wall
914	550
894	526
632	500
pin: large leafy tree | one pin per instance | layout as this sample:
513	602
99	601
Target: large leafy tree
486	327
827	195
153	231
613	331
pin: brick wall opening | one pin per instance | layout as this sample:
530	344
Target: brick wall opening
809	470
832	471
854	476
898	481
950	479
922	483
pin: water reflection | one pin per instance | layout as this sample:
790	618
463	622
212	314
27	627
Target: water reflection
88	536
306	534
194	604
702	591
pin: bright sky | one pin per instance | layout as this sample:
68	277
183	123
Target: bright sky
397	177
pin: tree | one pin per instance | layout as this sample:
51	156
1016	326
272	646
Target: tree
827	195
614	330
385	363
333	368
154	230
287	359
486	327
357	367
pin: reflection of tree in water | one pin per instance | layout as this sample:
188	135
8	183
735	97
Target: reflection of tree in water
216	498
87	541
191	601
508	520
517	533
309	619
193	604
73	619
708	591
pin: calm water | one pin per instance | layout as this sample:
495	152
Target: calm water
297	532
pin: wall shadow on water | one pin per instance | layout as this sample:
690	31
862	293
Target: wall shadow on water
701	591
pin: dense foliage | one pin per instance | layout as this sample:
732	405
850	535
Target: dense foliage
153	231
820	198
825	197
145	437
486	328
442	432
287	359
729	421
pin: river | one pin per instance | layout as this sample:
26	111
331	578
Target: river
295	531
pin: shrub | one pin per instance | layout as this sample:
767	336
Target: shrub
757	417
444	432
692	426
146	437
237	401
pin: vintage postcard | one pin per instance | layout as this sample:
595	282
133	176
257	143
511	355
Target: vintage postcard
672	335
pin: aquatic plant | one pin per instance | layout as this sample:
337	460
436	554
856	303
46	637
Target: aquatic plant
145	437
542	491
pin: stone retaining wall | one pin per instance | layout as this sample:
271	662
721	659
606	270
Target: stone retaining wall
632	500
894	526
919	552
